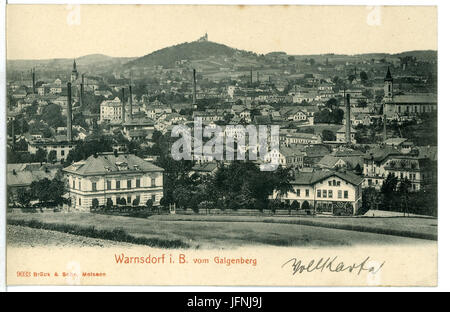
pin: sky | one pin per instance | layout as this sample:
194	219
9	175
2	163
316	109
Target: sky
70	31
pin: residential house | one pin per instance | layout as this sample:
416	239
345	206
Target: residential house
113	176
326	192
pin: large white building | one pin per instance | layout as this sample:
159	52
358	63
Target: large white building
113	176
111	111
381	162
326	191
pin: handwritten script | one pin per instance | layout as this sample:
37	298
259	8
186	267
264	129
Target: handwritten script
332	265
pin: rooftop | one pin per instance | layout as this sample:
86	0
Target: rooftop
110	163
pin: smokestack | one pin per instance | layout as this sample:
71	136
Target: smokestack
13	134
33	77
384	123
69	112
194	89
81	90
130	100
347	120
123	105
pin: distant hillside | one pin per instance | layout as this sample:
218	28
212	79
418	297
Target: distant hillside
186	51
420	54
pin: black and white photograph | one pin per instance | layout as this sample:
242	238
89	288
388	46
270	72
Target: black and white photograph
221	145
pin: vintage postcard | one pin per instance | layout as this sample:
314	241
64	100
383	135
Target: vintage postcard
221	145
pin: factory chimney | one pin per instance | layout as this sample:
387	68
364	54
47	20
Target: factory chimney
13	135
123	105
130	102
347	120
194	89
69	112
81	90
33	78
384	122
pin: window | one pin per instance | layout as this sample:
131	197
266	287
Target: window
94	186
129	184
153	198
345	194
153	182
138	182
62	152
324	193
79	201
108	185
298	192
338	183
329	183
306	193
339	194
79	184
117	184
129	199
330	193
138	198
73	184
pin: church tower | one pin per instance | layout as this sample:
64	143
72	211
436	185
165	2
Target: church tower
74	75
388	86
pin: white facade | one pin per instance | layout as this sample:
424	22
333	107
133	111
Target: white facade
327	195
111	111
84	189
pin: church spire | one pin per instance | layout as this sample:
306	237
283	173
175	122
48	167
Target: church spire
388	75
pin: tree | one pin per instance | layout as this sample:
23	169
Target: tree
122	201
331	103
24	197
388	189
283	178
363	76
149	203
136	202
95	204
109	204
358	170
328	135
295	205
305	205
52	156
41	155
403	190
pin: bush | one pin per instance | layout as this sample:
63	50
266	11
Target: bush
305	205
118	234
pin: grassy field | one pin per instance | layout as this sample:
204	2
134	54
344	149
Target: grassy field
222	233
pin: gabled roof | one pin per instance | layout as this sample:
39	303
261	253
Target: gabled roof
310	178
108	163
342	130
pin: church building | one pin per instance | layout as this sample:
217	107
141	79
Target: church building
406	105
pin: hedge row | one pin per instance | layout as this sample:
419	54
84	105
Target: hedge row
117	235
